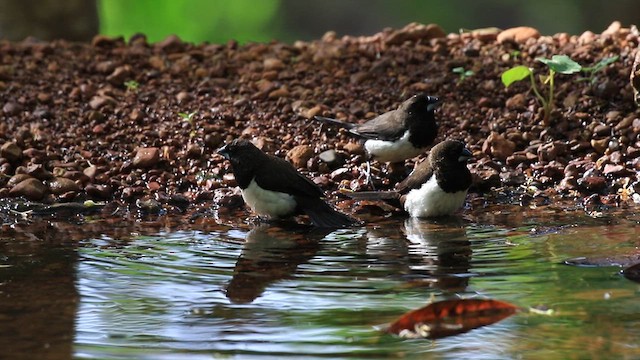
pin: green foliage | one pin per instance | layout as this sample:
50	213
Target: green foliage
132	85
591	71
462	73
195	20
188	117
557	64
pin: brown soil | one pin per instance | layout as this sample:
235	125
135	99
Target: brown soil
101	121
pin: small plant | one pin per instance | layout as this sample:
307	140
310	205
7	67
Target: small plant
188	117
462	73
515	54
557	64
592	71
132	86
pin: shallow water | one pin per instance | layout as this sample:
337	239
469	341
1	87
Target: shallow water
122	291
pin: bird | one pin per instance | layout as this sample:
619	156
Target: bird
399	134
436	187
271	186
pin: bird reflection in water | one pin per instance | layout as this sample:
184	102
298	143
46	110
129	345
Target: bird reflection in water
271	253
439	253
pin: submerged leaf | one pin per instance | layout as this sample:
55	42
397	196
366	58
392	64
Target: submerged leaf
515	74
450	317
561	64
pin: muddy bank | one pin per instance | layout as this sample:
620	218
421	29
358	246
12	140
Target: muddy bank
137	124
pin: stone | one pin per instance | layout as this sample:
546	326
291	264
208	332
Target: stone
11	151
518	34
31	188
146	157
299	155
516	102
354	148
498	146
60	185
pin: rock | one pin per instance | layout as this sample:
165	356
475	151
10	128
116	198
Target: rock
100	101
228	198
39	172
516	102
354	148
518	34
99	192
11	151
149	206
31	188
299	155
278	93
272	64
600	145
171	44
613	28
12	108
414	32
486	34
146	157
60	185
498	146
119	75
16	179
593	183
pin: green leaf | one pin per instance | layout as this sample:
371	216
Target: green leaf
561	64
458	70
515	74
602	64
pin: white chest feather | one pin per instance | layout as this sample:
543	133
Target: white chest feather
431	201
266	202
390	151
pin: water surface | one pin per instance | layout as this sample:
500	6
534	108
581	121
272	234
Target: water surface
157	290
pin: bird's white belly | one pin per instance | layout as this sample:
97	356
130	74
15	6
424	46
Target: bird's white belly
431	201
390	151
266	202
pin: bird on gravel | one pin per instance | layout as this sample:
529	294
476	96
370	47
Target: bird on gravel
437	186
271	186
399	134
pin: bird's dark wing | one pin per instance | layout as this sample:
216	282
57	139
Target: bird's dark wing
417	178
389	126
336	122
279	175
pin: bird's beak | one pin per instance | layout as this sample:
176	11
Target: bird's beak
465	156
224	151
434	102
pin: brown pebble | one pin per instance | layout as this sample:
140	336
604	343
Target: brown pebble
12	108
31	188
518	34
354	148
60	185
146	157
11	151
299	155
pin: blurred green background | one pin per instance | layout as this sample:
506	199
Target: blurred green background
218	21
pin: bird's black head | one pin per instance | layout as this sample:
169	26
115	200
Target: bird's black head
239	150
450	152
421	104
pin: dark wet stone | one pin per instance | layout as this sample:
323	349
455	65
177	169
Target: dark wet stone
331	158
593	183
99	191
228	198
31	188
60	185
150	206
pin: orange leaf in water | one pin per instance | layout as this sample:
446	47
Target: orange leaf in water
450	317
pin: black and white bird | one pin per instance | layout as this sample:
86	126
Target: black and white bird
399	134
437	186
271	186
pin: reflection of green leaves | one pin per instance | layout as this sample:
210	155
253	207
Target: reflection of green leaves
515	74
561	64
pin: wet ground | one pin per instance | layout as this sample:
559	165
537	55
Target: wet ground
158	288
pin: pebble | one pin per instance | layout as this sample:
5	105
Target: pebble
518	34
146	157
300	155
11	151
60	185
31	188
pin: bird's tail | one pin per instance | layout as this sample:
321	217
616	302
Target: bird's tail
331	121
324	215
390	197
